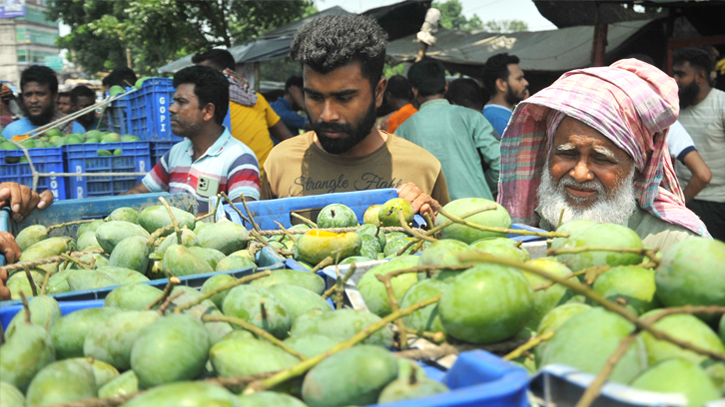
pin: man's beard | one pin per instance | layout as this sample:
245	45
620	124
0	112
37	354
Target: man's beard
355	133
688	94
511	97
45	117
615	207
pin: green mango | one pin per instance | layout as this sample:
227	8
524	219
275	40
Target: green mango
370	247
303	279
597	329
62	382
374	292
678	376
111	341
132	296
89	227
426	318
18	283
602	234
24	354
258	306
570	228
52	246
211	256
30	236
201	225
187	394
486	304
270	398
356	259
181	262
235	263
633	285
172	349
93	133
72	140
113	232
343	324
126	383
393	246
372	215
116	90
87	241
98	260
502	247
373	231
102	371
693	272
311	345
410	388
685	327
93	141
110	138
70	331
44	312
188	239
443	253
156	217
131	253
314	246
125	214
83	279
546	300
128	138
388	214
58	282
10	396
555	319
217	330
722	328
462	207
243	357
333	383
298	300
214	282
227	237
336	216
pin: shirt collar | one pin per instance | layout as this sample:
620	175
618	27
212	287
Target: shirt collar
441	101
215	148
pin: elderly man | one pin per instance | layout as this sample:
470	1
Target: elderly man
593	146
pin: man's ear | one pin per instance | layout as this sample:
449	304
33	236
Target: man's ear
501	85
445	88
208	112
380	91
701	76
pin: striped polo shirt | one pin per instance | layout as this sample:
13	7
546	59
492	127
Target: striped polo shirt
228	166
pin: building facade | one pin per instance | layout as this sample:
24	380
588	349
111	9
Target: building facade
26	41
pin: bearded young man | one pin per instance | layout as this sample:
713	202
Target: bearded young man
40	93
504	80
342	61
593	146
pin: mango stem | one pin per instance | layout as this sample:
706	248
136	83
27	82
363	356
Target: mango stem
530	344
173	219
75	222
173	281
348	274
592	392
53	259
30	280
393	302
221	288
26	307
305	220
649	253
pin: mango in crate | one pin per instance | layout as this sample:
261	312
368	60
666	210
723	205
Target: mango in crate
227	237
44	312
127	138
270	398
126	383
373	291
372	215
242	357
71	331
25	354
548	299
336	216
303	279
427	318
62	382
311	345
678	376
112	340
342	324
10	396
497	217
388	215
298	300
314	246
602	235
185	394
156	217
260	307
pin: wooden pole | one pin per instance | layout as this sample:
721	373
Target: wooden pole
129	61
599	42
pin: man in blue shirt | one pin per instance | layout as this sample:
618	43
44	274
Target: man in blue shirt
504	80
288	106
40	92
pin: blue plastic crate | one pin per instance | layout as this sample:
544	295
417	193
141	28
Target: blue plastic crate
45	160
7	313
159	148
118	115
84	158
149	110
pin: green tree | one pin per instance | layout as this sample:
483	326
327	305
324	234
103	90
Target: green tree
160	31
452	18
504	26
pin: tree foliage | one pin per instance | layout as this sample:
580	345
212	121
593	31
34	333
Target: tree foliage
160	31
452	18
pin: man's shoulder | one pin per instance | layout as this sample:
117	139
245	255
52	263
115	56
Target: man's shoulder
289	148
400	147
655	232
18	127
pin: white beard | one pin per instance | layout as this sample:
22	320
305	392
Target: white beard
614	207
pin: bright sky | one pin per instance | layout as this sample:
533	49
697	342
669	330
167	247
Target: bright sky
485	9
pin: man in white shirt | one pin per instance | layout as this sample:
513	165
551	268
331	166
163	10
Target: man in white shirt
682	149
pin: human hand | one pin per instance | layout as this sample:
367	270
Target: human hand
22	200
4	290
422	203
9	248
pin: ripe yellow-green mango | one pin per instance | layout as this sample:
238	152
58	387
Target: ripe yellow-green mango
243	357
172	349
111	341
211	256
498	217
125	214
52	246
10	396
181	262
336	216
58	282
388	215
102	371
126	383
443	253
298	300
258	306
372	215
112	233
227	237
89	227
601	234
190	394
131	253
315	246
633	285
374	292
156	217
410	388
132	296
678	376
61	382
18	283
342	324
546	300
216	281
570	228
188	239
87	241
30	236
311	345
502	247
486	304
685	327
333	383
426	318
44	311
70	331
83	279
554	319
235	263
25	354
303	279
270	398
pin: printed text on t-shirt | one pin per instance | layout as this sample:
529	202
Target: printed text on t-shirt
367	181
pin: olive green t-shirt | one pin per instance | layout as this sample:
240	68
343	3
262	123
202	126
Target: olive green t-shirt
299	167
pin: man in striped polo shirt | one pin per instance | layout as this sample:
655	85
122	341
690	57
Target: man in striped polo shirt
209	160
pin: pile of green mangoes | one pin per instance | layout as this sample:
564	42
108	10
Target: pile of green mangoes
129	255
54	138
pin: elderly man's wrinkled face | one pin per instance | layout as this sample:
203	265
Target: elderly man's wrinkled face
587	175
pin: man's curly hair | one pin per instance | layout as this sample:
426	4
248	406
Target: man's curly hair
330	42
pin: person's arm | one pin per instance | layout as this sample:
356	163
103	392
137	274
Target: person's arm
140	188
22	200
155	181
489	148
4	290
422	203
280	131
701	174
